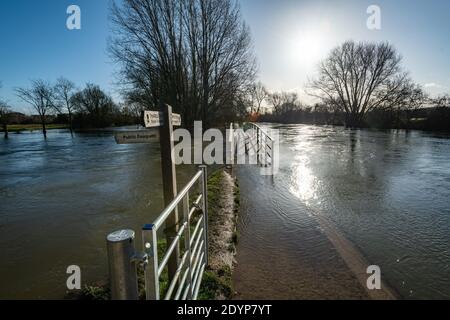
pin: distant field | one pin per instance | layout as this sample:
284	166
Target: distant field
32	127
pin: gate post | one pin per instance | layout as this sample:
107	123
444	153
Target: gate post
204	189
122	268
169	185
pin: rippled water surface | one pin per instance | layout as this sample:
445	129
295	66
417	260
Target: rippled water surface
387	192
59	200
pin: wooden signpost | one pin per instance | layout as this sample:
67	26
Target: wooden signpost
160	127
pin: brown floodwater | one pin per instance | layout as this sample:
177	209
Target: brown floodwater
384	192
60	197
343	200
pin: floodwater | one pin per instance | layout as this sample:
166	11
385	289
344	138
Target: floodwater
385	193
59	200
373	197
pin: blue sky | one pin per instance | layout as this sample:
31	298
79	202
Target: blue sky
290	37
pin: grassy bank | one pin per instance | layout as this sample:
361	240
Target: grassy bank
14	128
224	201
223	207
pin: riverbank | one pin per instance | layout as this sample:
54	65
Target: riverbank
224	201
17	128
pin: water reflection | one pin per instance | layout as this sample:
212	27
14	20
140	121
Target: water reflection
59	199
386	191
303	183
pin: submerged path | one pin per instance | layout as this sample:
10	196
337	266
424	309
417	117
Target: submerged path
286	250
282	259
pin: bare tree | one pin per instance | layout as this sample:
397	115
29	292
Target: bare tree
283	100
193	54
5	111
412	99
359	77
41	97
4	115
275	100
258	94
442	101
95	106
64	91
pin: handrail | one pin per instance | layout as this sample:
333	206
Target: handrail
175	202
261	130
187	276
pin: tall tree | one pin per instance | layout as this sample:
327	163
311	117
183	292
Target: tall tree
5	111
283	101
193	54
359	77
4	115
64	91
258	94
97	108
42	99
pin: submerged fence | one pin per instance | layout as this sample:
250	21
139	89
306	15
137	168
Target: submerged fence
257	144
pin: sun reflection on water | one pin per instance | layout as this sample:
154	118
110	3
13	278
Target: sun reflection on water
303	183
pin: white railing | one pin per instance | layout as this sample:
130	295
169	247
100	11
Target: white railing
192	234
258	142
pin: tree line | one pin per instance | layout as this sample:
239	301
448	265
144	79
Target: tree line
197	56
361	84
89	107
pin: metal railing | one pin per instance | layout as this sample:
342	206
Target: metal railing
191	234
185	284
261	143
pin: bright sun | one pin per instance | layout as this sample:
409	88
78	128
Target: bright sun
304	49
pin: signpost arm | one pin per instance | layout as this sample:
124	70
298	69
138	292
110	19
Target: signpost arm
169	184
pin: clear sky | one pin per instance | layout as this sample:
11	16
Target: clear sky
290	37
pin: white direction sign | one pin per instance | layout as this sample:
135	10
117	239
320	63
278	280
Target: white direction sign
154	119
140	136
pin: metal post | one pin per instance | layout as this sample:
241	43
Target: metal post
257	145
122	268
231	146
169	185
204	186
187	243
150	241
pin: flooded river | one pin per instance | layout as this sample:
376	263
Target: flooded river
59	200
386	192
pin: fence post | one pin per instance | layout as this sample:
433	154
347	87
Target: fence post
151	270
204	186
169	185
122	268
257	146
187	244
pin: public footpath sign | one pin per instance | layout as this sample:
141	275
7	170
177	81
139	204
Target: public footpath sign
152	120
155	119
140	136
